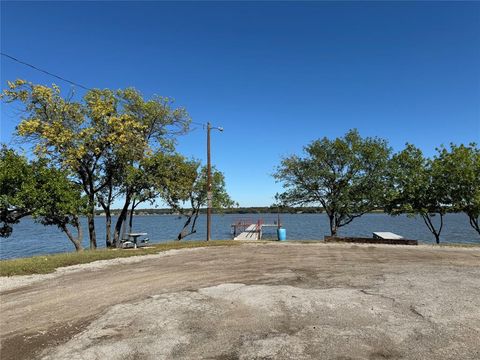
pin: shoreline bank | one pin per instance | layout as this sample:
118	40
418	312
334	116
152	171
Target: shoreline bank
46	265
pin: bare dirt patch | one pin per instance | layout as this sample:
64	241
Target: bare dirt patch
269	301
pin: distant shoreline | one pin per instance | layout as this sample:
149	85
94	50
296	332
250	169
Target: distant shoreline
235	211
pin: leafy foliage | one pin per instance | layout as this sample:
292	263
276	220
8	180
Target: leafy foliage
346	176
59	201
417	186
190	186
162	175
101	140
460	172
16	182
40	190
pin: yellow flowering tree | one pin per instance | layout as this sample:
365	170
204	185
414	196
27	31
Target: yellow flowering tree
99	139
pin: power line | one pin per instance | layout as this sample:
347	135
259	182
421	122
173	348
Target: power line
44	71
63	79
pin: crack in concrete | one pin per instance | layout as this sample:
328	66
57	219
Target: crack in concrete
379	295
395	302
416	312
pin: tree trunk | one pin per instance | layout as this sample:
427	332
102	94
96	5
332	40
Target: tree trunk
77	242
192	215
185	232
106	204
474	222
121	218
91	231
91	221
130	222
333	225
431	226
108	221
108	227
79	236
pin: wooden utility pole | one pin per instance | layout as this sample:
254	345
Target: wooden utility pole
209	181
209	185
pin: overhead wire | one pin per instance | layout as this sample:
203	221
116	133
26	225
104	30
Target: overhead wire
44	71
62	78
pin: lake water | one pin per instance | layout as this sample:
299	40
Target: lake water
30	238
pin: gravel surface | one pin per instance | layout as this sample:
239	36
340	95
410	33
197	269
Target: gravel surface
13	282
255	301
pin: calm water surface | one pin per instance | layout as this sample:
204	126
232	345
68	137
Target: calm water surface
30	238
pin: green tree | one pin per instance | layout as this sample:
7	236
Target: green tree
460	171
59	201
142	176
417	188
190	187
16	178
97	139
160	174
346	176
42	191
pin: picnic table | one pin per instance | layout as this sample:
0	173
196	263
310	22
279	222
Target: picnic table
135	237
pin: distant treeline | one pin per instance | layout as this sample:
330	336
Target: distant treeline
237	210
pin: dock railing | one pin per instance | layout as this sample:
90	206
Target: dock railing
241	225
245	225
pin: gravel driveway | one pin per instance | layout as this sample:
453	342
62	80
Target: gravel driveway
254	301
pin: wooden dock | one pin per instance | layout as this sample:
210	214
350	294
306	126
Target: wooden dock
250	233
247	230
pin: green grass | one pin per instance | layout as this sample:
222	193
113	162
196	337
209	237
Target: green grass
45	264
467	245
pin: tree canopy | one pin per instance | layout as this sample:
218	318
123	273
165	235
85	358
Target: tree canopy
16	182
190	189
39	190
100	140
346	176
416	188
460	172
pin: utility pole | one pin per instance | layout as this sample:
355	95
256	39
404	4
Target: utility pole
209	185
209	181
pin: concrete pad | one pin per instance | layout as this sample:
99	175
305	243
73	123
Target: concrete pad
237	321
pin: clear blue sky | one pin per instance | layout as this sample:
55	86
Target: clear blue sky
275	75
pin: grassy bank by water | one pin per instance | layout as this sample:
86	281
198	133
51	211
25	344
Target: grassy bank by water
44	264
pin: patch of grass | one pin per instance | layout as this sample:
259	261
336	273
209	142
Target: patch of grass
455	245
44	264
467	245
319	241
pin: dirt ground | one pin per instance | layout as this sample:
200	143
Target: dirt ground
254	301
